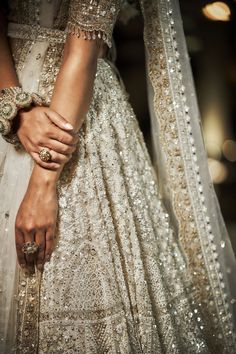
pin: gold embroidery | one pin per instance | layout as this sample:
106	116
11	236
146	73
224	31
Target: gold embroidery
28	314
96	18
116	250
168	103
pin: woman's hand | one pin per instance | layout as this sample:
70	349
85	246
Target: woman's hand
36	221
41	127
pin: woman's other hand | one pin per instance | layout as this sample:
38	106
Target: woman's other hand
36	221
41	127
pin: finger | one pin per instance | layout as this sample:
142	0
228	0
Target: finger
58	120
62	136
27	144
47	165
49	244
30	147
30	258
19	237
60	147
59	158
40	239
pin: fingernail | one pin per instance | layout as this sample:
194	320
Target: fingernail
40	267
47	258
31	269
68	126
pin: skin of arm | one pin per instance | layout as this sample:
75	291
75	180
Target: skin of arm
40	126
8	75
73	89
37	215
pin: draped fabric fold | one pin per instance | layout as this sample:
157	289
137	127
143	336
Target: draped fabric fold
181	164
15	170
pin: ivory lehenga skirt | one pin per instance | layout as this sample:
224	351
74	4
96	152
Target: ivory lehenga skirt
117	281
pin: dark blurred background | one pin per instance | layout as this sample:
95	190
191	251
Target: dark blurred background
210	29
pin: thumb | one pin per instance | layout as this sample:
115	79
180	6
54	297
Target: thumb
58	120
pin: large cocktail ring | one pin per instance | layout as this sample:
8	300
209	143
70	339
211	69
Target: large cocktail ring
30	247
45	155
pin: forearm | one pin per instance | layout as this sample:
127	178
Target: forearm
74	85
73	90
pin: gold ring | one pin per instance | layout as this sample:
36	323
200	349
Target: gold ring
45	155
30	247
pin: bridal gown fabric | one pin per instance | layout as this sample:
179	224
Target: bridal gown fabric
136	267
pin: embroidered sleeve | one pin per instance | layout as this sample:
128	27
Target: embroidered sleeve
93	18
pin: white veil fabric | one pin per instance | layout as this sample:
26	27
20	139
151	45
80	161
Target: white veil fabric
180	161
13	183
15	170
181	165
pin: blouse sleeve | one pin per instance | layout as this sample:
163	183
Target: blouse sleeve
93	18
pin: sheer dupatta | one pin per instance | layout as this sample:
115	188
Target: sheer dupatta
181	164
15	171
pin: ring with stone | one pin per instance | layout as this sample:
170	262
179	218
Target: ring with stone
45	155
30	247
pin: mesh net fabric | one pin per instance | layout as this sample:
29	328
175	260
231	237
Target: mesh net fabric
166	35
180	157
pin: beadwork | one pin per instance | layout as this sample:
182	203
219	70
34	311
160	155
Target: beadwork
13	99
119	281
45	155
30	248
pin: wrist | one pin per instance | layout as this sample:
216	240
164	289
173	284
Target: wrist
44	178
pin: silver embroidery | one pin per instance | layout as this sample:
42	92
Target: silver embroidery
118	281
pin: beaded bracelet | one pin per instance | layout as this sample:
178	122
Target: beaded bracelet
12	100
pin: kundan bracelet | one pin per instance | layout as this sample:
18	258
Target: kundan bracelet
12	100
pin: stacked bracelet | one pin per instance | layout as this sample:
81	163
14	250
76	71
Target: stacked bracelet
12	100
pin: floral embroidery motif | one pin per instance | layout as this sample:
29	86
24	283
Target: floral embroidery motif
118	281
195	235
95	18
